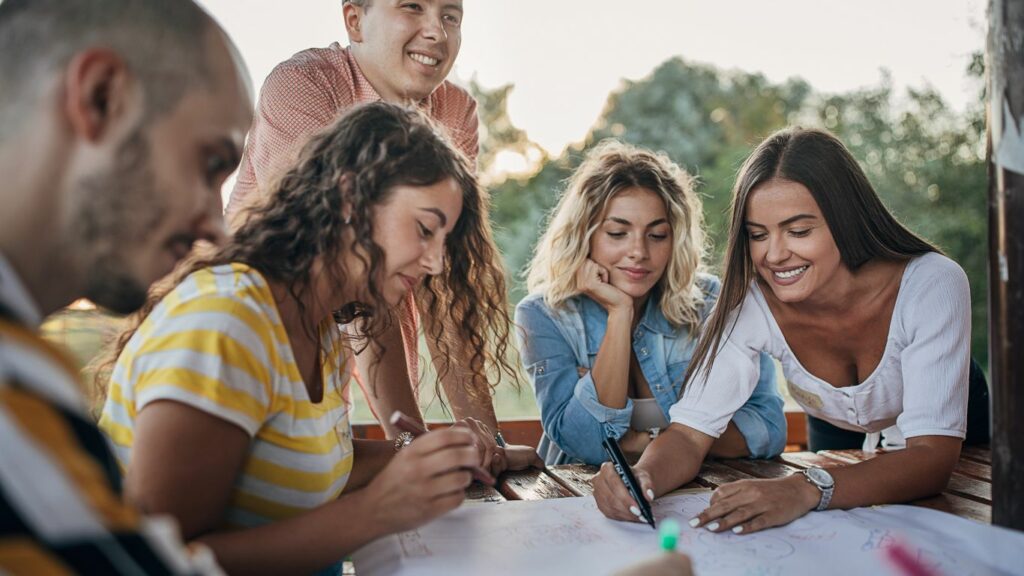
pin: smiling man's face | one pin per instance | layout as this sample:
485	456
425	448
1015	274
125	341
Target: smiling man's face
405	49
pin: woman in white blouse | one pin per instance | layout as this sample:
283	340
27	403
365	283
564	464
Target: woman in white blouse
870	322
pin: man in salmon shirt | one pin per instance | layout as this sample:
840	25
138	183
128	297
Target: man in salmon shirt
399	51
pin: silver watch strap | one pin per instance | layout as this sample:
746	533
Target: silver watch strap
826	498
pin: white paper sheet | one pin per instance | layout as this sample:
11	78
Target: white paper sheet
570	536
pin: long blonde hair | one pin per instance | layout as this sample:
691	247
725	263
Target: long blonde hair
608	169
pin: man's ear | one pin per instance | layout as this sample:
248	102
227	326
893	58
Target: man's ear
353	16
97	92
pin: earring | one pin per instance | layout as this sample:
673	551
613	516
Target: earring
348	220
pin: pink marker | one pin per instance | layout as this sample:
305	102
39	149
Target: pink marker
907	564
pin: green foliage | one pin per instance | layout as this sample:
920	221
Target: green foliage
925	161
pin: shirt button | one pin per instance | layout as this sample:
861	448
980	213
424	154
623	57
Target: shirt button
643	351
540	369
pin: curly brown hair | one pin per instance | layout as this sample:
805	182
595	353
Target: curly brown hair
356	163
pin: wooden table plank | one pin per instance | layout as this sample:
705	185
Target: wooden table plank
761	468
810	460
713	474
531	484
971	488
575	477
974	469
959	506
849	456
981	454
479	492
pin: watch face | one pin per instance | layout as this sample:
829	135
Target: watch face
820	477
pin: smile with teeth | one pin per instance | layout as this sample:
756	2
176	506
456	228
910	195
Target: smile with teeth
423	59
790	273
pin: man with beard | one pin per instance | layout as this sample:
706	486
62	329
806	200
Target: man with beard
119	121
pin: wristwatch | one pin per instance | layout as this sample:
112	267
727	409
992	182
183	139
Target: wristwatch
823	481
652	433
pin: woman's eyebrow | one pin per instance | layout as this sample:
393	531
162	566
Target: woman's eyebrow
789	220
436	212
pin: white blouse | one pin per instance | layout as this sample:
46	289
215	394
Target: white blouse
919	387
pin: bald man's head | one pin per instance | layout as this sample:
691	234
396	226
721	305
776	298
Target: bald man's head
119	122
163	43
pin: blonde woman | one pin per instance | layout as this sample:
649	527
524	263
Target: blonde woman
615	308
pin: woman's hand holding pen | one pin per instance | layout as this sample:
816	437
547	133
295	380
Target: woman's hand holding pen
592	280
612	496
424	479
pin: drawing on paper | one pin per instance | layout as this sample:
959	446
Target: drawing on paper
569	535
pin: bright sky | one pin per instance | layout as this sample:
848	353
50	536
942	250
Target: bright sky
565	56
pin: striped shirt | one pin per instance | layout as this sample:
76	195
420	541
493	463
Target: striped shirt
61	510
216	343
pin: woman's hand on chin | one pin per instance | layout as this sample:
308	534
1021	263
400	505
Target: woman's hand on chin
592	279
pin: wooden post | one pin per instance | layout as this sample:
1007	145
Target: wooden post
1005	67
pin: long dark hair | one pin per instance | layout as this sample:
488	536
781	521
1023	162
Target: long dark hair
862	227
357	162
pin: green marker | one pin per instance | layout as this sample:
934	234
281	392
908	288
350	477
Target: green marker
669	534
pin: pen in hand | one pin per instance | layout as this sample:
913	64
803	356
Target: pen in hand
406	424
611	446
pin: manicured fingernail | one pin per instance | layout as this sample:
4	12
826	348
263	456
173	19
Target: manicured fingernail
694	522
737	529
650	494
635	511
713	526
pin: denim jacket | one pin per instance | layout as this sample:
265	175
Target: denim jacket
554	342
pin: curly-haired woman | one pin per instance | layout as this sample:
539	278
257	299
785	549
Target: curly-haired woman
227	401
616	303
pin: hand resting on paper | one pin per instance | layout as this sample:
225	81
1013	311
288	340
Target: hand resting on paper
747	506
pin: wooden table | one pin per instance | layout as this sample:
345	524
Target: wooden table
969	493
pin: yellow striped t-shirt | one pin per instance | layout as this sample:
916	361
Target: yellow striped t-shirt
217	344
